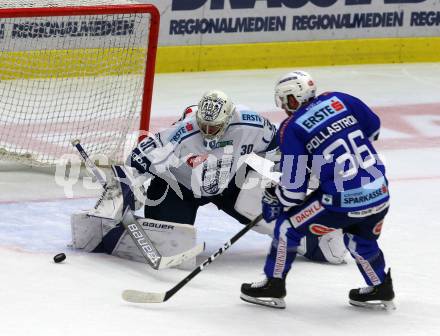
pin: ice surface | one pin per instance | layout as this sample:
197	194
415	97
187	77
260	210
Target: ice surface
82	295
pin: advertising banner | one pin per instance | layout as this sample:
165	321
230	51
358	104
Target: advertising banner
73	32
203	22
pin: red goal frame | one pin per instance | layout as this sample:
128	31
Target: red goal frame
153	37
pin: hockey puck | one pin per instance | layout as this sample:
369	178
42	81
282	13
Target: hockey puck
59	257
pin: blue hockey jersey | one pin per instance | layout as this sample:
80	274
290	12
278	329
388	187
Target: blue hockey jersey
331	139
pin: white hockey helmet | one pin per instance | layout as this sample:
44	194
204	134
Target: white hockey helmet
214	114
294	89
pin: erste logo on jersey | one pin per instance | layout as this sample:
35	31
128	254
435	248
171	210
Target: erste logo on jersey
321	113
306	214
252	118
181	131
189	127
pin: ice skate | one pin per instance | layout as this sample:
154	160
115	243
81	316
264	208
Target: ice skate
269	292
374	297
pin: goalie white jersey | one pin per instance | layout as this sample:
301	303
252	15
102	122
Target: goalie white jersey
179	153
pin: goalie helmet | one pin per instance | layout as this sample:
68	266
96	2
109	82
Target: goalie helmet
293	90
213	116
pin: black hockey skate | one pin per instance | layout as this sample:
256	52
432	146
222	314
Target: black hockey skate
374	297
269	292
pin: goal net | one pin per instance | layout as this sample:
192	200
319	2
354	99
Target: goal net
74	70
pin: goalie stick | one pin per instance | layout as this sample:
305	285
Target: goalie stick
136	296
131	225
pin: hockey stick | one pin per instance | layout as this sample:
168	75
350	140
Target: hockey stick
89	163
151	297
131	225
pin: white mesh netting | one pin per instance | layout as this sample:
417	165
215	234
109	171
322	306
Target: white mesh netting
70	77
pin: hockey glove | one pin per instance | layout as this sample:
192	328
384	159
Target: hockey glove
110	203
272	207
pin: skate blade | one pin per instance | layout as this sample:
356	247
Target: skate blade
268	302
374	305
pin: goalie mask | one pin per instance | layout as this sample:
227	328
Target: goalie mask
293	90
213	116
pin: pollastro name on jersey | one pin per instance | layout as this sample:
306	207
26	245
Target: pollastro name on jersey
327	132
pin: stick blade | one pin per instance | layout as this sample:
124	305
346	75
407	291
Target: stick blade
136	296
172	261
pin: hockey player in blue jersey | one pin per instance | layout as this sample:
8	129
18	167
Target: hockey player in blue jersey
329	136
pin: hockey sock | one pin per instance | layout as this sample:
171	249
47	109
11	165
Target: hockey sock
369	258
282	251
279	260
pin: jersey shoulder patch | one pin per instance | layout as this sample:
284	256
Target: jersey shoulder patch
320	112
248	118
183	130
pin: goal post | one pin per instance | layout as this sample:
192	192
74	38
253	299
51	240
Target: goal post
75	70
